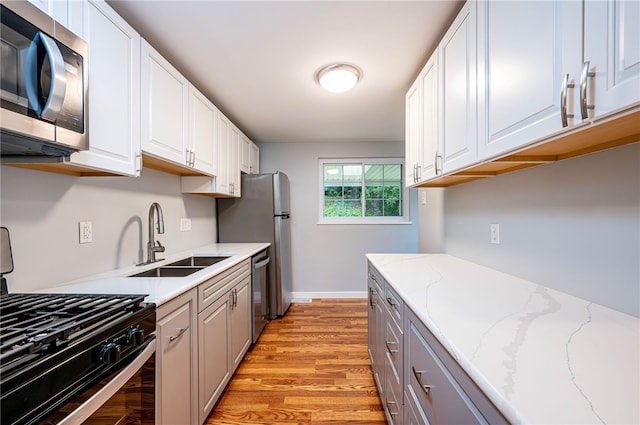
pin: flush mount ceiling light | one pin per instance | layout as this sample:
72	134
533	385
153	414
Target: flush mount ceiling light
338	77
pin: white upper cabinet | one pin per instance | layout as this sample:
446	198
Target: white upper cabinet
114	101
612	50
234	161
224	135
422	124
165	108
458	131
245	154
254	168
529	66
67	12
202	134
412	133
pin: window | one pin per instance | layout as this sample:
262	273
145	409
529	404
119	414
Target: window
362	191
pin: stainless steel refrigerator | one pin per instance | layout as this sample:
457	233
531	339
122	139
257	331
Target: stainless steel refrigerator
262	214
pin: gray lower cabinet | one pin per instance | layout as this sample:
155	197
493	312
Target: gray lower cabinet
213	346
240	322
376	323
177	360
224	332
419	382
203	335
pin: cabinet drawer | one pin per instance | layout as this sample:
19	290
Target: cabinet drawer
394	305
218	285
438	385
392	401
375	276
393	347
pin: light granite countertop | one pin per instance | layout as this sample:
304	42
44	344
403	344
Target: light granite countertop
160	290
542	356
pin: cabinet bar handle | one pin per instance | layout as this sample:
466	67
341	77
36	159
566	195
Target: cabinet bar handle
179	334
390	301
389	404
563	100
418	375
389	343
438	170
372	296
138	163
584	107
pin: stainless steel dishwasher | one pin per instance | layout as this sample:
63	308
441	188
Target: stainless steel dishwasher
260	292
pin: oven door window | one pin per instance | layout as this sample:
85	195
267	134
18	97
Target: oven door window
132	403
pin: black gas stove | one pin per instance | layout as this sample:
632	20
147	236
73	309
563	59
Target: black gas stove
55	346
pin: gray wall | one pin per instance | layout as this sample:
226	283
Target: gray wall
573	225
329	260
42	211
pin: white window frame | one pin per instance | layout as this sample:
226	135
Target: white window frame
404	219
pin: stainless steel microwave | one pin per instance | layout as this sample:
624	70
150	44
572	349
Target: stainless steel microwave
43	91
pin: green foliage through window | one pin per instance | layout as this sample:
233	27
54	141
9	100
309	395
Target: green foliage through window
362	190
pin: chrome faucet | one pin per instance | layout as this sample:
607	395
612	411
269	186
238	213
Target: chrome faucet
154	246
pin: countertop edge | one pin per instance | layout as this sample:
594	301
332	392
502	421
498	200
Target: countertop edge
116	281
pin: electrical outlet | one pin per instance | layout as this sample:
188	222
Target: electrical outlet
423	197
495	233
185	224
86	232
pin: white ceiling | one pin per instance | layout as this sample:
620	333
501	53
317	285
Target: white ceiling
256	60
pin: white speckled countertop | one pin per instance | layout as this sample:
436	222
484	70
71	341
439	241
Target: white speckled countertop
542	356
160	289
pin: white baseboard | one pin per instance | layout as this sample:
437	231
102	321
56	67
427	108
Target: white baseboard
305	297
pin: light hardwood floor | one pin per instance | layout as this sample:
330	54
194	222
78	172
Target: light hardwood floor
310	367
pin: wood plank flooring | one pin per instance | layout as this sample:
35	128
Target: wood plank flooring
309	368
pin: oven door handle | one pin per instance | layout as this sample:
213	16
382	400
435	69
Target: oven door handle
89	407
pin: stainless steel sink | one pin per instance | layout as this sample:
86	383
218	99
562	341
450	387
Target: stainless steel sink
168	271
199	261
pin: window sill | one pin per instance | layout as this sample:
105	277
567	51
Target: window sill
343	221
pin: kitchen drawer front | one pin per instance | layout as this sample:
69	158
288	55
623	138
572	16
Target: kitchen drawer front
394	305
394	347
413	413
438	384
392	400
375	276
218	285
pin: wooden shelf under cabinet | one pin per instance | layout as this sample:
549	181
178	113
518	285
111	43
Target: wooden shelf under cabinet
595	136
149	161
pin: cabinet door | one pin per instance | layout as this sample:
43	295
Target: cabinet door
422	124
521	71
245	154
222	176
430	108
612	47
458	132
67	12
165	103
413	133
202	134
176	386
213	347
234	161
240	322
255	159
114	81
